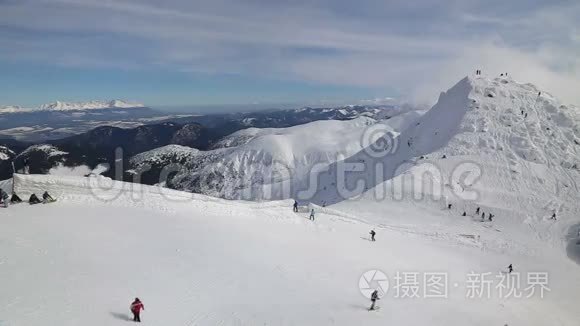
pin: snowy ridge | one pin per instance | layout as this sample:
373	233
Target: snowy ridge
73	106
49	150
256	164
521	166
91	105
99	189
160	155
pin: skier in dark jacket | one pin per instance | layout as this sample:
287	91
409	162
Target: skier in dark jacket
136	308
295	207
510	268
3	198
372	233
477	211
47	198
33	200
312	214
15	199
374	298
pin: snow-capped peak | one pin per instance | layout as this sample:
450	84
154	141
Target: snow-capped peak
91	105
72	106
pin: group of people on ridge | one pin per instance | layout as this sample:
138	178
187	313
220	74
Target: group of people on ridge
33	199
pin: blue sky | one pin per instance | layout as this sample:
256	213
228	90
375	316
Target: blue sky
188	52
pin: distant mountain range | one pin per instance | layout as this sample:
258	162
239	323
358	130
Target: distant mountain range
62	119
72	106
98	145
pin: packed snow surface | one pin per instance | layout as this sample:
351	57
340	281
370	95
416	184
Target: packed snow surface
197	260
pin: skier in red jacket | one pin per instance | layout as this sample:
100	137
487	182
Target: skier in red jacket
136	308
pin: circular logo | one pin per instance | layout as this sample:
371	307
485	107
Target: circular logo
378	141
373	280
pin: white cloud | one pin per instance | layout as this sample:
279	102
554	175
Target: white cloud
417	48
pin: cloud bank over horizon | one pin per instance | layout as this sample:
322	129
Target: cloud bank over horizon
287	50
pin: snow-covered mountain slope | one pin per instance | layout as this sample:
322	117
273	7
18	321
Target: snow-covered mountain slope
489	143
197	260
261	163
6	153
39	158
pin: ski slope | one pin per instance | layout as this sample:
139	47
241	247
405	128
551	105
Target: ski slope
492	143
198	260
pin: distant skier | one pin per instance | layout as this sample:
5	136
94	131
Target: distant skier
47	198
464	214
312	214
372	233
3	198
490	218
33	199
483	216
295	207
374	298
539	94
449	206
510	268
553	217
15	199
136	308
477	211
